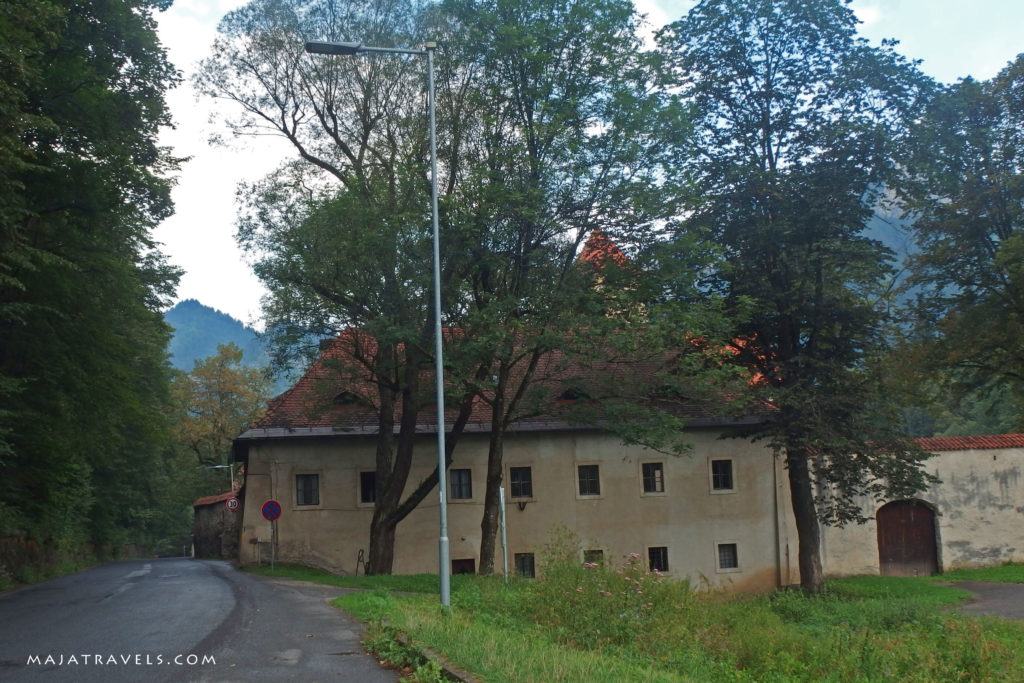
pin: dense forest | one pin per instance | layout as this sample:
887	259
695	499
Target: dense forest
798	217
84	386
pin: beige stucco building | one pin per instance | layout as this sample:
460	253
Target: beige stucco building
719	515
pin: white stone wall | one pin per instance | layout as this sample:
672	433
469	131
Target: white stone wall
979	507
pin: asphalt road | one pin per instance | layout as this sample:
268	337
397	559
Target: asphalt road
178	619
1004	600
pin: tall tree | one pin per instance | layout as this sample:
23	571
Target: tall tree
83	377
217	401
545	121
965	190
795	118
556	151
344	233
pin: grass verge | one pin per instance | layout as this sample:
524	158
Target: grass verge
585	622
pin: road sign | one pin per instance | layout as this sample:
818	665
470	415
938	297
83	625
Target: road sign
271	510
231	504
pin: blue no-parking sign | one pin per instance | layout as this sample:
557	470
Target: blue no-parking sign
271	510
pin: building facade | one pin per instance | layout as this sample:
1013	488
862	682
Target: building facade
718	515
974	516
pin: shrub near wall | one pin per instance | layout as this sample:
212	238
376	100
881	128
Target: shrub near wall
23	560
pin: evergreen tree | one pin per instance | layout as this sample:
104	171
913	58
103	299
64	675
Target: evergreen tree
795	125
965	190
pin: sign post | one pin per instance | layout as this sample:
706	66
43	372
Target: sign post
271	511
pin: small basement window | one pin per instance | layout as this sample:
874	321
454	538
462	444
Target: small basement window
728	558
525	565
658	558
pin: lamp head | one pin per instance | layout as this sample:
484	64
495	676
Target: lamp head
320	48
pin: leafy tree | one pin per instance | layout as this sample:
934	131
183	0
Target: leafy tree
217	401
796	122
83	380
343	235
556	152
545	114
966	191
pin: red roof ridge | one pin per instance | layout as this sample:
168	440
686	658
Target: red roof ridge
210	500
966	443
599	250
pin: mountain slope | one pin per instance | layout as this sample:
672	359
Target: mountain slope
199	329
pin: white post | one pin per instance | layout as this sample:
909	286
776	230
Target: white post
504	534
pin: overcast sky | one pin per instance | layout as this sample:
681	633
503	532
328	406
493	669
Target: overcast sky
953	38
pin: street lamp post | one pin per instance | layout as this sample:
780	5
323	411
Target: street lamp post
229	468
333	48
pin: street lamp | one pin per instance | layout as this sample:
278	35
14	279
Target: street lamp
231	472
332	48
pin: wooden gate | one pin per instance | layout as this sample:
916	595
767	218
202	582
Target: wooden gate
906	539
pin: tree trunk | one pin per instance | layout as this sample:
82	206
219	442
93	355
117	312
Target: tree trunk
808	530
382	544
492	502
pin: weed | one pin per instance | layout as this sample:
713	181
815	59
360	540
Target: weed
581	621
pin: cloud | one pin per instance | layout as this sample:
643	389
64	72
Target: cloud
199	237
868	13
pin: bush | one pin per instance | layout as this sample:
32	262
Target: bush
590	605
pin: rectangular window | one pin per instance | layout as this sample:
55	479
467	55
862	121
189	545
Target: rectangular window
593	556
367	487
727	556
654	477
524	565
460	483
721	475
521	482
466	566
658	558
590	480
307	489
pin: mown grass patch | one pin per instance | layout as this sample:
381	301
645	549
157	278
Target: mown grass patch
403	583
1006	573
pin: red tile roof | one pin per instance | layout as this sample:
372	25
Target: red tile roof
599	250
965	443
311	407
210	500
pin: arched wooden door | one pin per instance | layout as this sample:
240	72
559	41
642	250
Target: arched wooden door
906	539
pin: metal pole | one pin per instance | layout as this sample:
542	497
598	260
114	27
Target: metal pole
339	48
443	561
504	532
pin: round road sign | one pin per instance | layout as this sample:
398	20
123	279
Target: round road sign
231	504
271	510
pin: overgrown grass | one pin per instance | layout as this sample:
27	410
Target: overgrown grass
593	623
